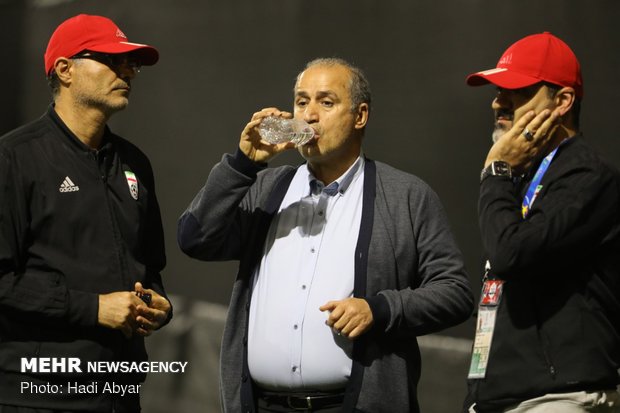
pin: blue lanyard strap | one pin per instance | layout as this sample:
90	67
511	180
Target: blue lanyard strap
535	187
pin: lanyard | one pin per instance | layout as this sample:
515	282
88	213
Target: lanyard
535	187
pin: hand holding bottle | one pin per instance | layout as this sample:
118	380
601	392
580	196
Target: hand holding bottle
260	148
279	130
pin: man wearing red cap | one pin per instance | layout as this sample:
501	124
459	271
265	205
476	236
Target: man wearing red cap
548	330
81	240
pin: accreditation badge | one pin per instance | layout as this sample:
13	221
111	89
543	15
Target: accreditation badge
132	182
490	298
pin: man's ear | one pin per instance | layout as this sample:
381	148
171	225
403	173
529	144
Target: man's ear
564	100
62	67
361	116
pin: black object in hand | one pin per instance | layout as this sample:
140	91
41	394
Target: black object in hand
146	297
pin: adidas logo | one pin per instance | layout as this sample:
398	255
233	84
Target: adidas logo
68	186
120	34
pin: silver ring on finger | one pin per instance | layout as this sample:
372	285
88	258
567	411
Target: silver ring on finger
529	136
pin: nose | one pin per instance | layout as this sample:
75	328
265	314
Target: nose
501	100
310	114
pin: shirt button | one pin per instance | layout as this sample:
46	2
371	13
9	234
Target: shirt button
320	213
312	250
303	287
294	369
295	326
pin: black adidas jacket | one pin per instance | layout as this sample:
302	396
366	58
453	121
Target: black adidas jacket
558	324
71	229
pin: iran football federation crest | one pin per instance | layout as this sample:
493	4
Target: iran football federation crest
132	182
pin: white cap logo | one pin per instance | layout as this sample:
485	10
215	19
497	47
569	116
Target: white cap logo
120	34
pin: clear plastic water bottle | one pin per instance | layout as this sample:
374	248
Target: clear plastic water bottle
276	130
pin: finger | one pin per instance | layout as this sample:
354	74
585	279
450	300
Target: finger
287	115
341	322
283	146
347	328
250	126
144	332
145	311
135	302
354	328
332	320
265	112
162	304
328	306
147	321
275	112
157	314
153	318
534	125
337	313
549	124
146	324
356	332
138	287
520	125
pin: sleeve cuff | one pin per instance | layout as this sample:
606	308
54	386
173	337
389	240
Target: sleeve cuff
83	308
380	312
240	162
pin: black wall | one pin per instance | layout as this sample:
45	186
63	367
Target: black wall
221	60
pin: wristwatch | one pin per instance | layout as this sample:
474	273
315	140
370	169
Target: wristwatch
496	168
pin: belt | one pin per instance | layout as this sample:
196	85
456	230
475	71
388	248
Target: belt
299	401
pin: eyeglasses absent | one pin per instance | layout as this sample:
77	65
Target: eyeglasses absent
113	61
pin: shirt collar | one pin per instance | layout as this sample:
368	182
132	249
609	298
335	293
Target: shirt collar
105	143
341	184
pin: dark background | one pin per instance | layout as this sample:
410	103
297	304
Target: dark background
222	60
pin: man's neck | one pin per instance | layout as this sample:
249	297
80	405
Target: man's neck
87	124
328	172
562	133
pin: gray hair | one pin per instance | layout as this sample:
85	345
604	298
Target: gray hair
54	84
359	88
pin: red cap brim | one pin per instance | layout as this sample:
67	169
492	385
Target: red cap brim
501	77
148	55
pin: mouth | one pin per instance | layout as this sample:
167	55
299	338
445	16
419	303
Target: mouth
123	86
503	119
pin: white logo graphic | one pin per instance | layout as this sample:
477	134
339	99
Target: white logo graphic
133	184
505	60
120	34
68	186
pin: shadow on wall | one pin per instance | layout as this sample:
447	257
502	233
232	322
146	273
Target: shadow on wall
195	337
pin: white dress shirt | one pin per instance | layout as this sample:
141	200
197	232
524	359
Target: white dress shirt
308	260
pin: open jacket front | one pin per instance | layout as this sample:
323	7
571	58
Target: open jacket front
407	266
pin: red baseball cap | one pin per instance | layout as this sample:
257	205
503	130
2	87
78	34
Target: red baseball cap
96	34
535	58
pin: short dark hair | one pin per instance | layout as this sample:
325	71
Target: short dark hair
54	83
359	86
